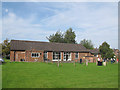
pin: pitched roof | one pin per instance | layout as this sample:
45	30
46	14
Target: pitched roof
95	51
46	46
116	50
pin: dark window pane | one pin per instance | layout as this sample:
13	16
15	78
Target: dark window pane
53	56
32	54
76	55
59	56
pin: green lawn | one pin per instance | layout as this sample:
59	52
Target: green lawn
43	75
6	60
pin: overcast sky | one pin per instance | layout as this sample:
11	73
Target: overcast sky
36	20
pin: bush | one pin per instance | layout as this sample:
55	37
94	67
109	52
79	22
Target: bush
7	56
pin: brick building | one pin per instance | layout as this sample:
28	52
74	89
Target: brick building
32	51
116	52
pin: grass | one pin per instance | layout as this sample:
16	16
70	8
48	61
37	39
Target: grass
43	75
6	60
0	77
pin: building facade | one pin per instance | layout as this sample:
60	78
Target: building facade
34	51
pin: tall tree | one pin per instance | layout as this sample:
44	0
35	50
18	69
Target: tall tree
6	47
57	37
106	51
69	36
87	43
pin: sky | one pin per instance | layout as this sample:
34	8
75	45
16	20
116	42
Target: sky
96	21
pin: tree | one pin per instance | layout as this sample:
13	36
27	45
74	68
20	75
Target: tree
69	36
57	37
106	51
6	47
87	43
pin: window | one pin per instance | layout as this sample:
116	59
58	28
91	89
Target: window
45	55
67	56
56	55
76	55
35	55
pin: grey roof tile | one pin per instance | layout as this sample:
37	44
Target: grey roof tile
46	46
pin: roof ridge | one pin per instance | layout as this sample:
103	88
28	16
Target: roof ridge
44	42
29	41
25	44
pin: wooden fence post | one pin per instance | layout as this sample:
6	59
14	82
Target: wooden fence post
58	62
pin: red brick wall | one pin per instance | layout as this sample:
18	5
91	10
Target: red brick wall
116	52
80	56
19	55
93	58
33	59
50	56
26	55
61	56
11	55
73	56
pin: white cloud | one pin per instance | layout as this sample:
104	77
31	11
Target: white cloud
96	23
15	27
6	10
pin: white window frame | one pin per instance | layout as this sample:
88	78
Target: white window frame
56	59
35	53
75	55
69	59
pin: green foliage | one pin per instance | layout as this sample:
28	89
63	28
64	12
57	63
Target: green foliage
6	60
5	47
87	43
68	37
57	37
106	51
